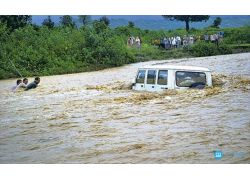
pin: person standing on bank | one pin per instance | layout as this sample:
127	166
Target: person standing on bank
138	42
33	84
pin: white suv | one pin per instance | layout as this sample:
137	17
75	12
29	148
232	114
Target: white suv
160	77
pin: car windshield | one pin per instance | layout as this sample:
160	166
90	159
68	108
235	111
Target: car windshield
140	76
188	79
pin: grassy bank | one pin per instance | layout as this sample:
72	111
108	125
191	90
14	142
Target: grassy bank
37	51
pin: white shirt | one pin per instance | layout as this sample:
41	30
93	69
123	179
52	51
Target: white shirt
21	85
174	41
138	41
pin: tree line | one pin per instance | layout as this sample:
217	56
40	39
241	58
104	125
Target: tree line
66	48
16	21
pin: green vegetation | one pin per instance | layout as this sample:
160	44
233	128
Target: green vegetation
49	49
210	49
15	22
48	22
217	22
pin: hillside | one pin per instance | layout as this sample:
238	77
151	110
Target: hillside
158	22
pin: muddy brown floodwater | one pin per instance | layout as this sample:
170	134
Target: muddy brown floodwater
94	117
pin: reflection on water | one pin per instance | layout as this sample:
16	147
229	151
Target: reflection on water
94	117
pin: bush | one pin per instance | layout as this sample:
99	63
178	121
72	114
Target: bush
210	49
225	49
147	52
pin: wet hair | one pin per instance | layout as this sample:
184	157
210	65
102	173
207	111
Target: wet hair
37	78
18	81
25	79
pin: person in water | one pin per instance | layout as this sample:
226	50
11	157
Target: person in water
18	82
25	81
34	84
22	84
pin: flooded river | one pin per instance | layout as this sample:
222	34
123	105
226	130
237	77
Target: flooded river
94	117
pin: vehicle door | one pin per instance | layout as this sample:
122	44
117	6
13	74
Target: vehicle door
140	80
162	80
150	84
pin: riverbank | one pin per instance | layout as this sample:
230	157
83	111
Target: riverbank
71	76
178	55
41	51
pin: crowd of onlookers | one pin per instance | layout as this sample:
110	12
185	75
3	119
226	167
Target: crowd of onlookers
177	41
214	38
172	42
187	40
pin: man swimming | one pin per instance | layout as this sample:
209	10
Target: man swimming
25	81
18	82
33	84
22	84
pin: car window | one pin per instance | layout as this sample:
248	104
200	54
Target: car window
188	79
140	76
151	76
162	77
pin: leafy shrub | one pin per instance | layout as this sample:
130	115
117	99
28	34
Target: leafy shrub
225	49
209	49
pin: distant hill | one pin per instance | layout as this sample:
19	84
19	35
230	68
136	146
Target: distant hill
158	22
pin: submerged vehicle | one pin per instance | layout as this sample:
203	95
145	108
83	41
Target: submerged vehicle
162	77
